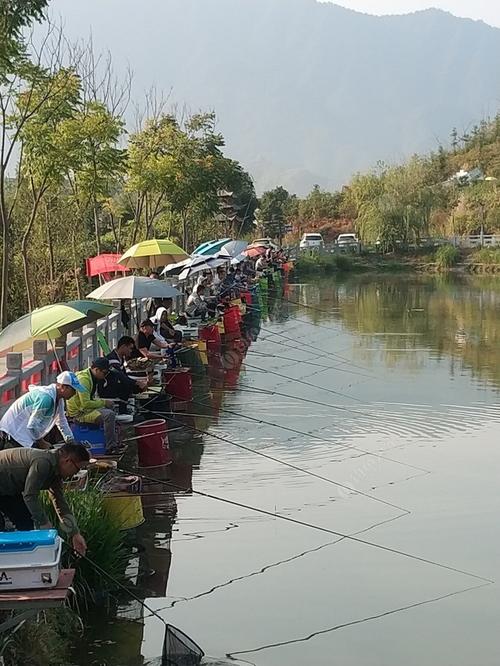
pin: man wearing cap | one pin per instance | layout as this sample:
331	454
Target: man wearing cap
32	416
85	407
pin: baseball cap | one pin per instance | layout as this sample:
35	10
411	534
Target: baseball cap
70	379
102	363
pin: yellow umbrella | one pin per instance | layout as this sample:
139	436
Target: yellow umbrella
152	254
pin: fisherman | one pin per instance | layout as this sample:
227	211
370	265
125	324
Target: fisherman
196	305
32	416
163	327
85	407
25	472
117	384
148	336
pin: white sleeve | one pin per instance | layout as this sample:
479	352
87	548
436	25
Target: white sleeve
62	422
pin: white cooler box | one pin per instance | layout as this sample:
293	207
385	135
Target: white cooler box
29	560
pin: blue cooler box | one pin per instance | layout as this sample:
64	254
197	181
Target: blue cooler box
94	435
29	560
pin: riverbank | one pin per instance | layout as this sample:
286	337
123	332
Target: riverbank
485	261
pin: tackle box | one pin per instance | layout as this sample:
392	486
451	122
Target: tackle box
90	435
29	560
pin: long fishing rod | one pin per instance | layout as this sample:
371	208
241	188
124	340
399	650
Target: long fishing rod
296	360
378	616
273	565
277	460
345	360
310	435
295	521
301	381
295	467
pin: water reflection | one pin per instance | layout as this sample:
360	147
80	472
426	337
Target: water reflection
405	349
399	318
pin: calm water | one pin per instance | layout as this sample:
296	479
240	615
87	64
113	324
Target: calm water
404	374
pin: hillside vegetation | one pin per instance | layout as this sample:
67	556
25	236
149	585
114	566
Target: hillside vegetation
446	193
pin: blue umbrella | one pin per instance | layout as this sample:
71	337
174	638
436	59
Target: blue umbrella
211	247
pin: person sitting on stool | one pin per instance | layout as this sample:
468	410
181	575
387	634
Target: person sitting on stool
118	384
84	407
32	416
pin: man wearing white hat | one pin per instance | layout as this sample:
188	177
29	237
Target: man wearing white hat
32	416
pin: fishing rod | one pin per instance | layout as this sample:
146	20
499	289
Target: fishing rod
310	435
378	616
345	360
284	463
301	381
295	521
296	467
295	360
273	565
116	582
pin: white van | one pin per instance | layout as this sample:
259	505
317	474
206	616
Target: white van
311	240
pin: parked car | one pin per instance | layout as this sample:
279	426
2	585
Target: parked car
310	241
347	239
265	242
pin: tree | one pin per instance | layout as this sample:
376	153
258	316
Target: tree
42	135
320	205
273	207
14	16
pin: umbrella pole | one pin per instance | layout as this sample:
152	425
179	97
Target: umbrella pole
55	355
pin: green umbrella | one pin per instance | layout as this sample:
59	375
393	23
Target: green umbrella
52	321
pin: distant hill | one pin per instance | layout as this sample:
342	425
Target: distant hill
306	92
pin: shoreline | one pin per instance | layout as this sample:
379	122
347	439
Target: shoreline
342	264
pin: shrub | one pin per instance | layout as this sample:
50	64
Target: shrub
446	256
486	255
105	542
315	264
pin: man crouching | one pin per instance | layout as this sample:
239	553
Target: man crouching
25	472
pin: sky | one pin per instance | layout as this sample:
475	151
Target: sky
486	10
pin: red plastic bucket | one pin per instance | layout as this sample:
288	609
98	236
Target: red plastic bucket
211	335
179	384
232	318
152	443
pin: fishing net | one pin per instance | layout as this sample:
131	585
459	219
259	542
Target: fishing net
179	649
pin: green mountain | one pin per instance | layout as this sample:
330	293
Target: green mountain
306	92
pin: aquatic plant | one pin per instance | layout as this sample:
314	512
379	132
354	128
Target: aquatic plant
46	639
446	256
105	542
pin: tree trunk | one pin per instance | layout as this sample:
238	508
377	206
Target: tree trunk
24	250
5	271
184	231
75	268
50	246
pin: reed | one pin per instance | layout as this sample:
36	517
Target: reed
106	547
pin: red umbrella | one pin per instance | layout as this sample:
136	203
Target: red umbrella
255	251
105	264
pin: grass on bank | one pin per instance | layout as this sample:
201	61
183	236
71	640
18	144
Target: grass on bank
447	256
322	263
327	264
486	255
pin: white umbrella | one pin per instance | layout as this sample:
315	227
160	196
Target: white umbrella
134	287
201	264
232	249
238	259
174	269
